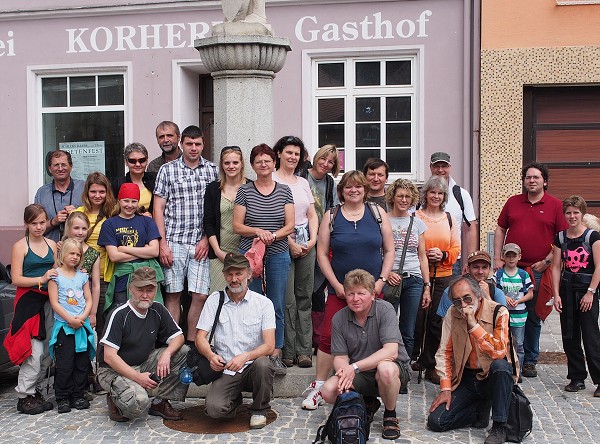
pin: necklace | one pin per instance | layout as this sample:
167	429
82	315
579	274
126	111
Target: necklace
353	214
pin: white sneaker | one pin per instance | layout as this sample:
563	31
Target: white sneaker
314	399
258	421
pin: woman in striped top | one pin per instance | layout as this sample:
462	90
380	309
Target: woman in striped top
264	209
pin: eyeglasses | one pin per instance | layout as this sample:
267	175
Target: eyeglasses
262	162
457	302
134	161
62	166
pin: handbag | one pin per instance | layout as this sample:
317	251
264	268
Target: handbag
520	416
198	364
392	293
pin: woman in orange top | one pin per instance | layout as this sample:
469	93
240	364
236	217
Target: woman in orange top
442	244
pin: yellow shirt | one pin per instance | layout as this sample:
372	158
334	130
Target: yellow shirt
93	239
145	196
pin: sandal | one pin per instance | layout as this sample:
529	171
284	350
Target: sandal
391	428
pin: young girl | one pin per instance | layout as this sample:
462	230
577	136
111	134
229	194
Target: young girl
72	340
32	263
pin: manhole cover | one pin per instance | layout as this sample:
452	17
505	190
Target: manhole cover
195	420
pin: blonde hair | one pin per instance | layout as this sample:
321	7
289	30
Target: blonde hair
69	222
401	184
69	245
325	151
359	278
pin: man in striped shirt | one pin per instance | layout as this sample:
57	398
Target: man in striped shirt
474	374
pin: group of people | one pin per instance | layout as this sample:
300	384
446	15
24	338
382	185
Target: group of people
286	262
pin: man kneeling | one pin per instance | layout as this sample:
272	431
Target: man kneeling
244	339
369	355
474	375
131	367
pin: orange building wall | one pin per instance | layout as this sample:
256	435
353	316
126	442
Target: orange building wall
538	23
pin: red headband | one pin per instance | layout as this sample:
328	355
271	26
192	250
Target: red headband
129	191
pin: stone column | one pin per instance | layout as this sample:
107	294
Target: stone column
243	68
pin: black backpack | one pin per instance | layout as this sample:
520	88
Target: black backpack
347	423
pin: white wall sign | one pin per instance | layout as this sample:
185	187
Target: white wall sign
87	157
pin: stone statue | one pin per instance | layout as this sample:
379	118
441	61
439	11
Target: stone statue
245	17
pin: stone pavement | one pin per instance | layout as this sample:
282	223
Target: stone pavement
559	416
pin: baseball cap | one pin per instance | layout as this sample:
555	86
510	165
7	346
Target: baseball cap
440	156
511	247
479	255
143	276
235	260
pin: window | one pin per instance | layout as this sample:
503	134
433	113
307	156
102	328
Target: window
368	108
84	114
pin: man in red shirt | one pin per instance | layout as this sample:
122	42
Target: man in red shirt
531	220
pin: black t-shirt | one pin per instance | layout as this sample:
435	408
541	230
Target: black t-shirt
134	335
576	257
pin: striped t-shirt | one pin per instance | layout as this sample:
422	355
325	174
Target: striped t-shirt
266	212
515	287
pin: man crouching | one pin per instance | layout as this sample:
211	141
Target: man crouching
369	355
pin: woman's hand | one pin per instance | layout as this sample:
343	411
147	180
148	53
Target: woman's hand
265	236
586	302
49	275
394	279
296	250
339	290
426	298
558	304
434	254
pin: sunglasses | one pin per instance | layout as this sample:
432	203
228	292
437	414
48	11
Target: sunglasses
458	301
134	161
291	140
231	148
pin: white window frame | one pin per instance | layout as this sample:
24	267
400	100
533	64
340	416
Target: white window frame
36	161
310	94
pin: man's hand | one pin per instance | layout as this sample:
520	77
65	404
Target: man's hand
485	288
165	254
144	380
237	362
498	263
163	367
201	249
217	363
444	397
346	378
469	314
539	266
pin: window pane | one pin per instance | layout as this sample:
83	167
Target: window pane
398	160
368	109
83	91
110	90
397	108
363	155
397	134
105	126
54	91
367	73
368	134
397	73
331	110
330	75
333	134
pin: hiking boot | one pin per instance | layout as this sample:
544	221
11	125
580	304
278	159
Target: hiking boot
529	371
575	386
63	405
80	403
313	399
88	395
432	376
30	406
372	404
288	362
165	410
280	367
497	435
258	421
40	398
391	428
304	361
113	411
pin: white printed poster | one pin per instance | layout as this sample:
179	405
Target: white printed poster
87	157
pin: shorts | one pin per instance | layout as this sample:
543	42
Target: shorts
366	384
184	265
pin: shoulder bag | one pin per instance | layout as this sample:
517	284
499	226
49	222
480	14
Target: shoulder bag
392	293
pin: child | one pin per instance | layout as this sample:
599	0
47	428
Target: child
516	285
72	340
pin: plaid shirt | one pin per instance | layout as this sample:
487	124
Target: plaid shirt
183	188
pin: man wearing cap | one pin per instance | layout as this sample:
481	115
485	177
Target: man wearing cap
244	339
62	195
132	369
460	206
474	374
531	220
479	267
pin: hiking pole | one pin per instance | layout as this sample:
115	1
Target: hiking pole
425	322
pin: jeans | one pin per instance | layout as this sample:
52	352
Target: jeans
277	268
471	394
518	334
533	326
457	268
409	303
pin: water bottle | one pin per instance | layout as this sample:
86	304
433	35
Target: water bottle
186	375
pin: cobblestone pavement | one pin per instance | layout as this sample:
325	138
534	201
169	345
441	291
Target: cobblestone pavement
559	416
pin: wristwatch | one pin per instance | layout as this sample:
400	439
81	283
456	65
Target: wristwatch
427	284
274	236
383	279
356	369
591	290
548	261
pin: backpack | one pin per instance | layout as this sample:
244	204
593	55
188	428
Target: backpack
333	212
522	274
347	422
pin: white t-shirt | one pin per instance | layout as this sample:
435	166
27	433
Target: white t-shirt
399	228
454	208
